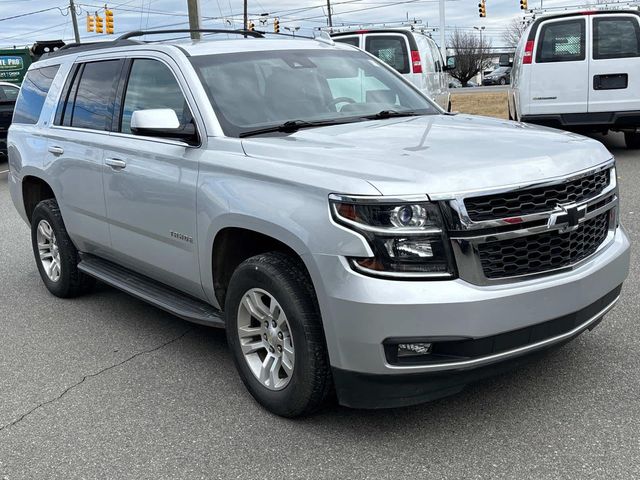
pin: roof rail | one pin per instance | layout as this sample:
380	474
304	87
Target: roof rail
141	33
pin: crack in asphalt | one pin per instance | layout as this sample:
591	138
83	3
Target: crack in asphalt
91	375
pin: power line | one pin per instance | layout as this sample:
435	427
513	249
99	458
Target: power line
30	13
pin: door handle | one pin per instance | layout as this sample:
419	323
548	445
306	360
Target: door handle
56	150
116	163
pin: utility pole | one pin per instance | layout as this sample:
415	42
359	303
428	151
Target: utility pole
481	29
194	18
329	12
443	47
74	20
246	15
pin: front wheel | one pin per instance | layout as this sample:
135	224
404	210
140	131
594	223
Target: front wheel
275	333
503	81
632	140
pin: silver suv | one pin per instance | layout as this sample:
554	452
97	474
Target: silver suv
349	235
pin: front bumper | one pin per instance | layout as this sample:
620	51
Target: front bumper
360	313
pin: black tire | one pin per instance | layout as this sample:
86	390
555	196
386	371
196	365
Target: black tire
632	140
503	81
71	282
286	279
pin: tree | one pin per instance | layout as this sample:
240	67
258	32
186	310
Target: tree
513	32
472	54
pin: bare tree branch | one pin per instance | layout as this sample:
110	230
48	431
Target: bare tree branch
513	32
472	55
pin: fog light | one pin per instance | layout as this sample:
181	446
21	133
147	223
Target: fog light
414	349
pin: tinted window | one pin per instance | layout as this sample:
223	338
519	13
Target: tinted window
562	42
8	94
33	93
93	104
355	41
616	38
152	85
391	49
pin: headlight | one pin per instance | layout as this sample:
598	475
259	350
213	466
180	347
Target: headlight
406	235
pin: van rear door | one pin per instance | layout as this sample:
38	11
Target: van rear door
560	75
615	63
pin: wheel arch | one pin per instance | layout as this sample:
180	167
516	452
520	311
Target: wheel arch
34	190
237	241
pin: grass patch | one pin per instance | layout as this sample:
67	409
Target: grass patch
488	104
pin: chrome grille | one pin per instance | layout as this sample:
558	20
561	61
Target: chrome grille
562	223
546	251
536	200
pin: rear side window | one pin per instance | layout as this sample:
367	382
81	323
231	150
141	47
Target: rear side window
562	42
33	93
616	37
355	41
92	105
391	49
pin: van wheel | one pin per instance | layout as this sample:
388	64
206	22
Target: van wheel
55	253
274	330
632	140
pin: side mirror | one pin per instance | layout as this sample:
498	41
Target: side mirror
162	123
451	64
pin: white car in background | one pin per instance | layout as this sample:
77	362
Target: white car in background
580	71
412	53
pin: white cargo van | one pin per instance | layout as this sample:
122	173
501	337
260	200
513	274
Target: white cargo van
411	52
580	71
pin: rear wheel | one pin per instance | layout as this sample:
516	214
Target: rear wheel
275	333
503	81
56	255
632	140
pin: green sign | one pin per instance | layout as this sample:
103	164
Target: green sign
11	63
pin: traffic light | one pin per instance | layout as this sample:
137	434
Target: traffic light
523	5
99	24
108	20
276	25
482	8
251	26
91	23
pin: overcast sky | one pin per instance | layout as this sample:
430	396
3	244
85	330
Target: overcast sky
55	23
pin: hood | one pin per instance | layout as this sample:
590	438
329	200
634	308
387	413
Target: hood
436	155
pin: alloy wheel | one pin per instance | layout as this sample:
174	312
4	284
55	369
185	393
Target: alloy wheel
265	339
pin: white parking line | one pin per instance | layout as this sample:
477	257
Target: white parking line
4	171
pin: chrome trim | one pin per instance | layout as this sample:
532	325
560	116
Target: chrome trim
399	275
364	199
459	207
516	352
526	231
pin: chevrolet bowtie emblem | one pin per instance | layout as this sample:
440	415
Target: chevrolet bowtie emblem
567	217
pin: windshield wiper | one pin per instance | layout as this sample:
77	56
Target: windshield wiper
391	113
292	126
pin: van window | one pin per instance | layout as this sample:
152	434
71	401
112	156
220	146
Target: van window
562	42
391	49
152	85
355	41
93	102
33	93
616	37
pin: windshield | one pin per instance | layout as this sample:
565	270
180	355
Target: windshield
500	70
255	90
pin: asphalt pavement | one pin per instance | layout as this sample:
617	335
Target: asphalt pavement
105	386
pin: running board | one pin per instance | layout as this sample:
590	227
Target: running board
151	291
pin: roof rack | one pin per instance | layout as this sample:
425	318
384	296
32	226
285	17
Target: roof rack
141	33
